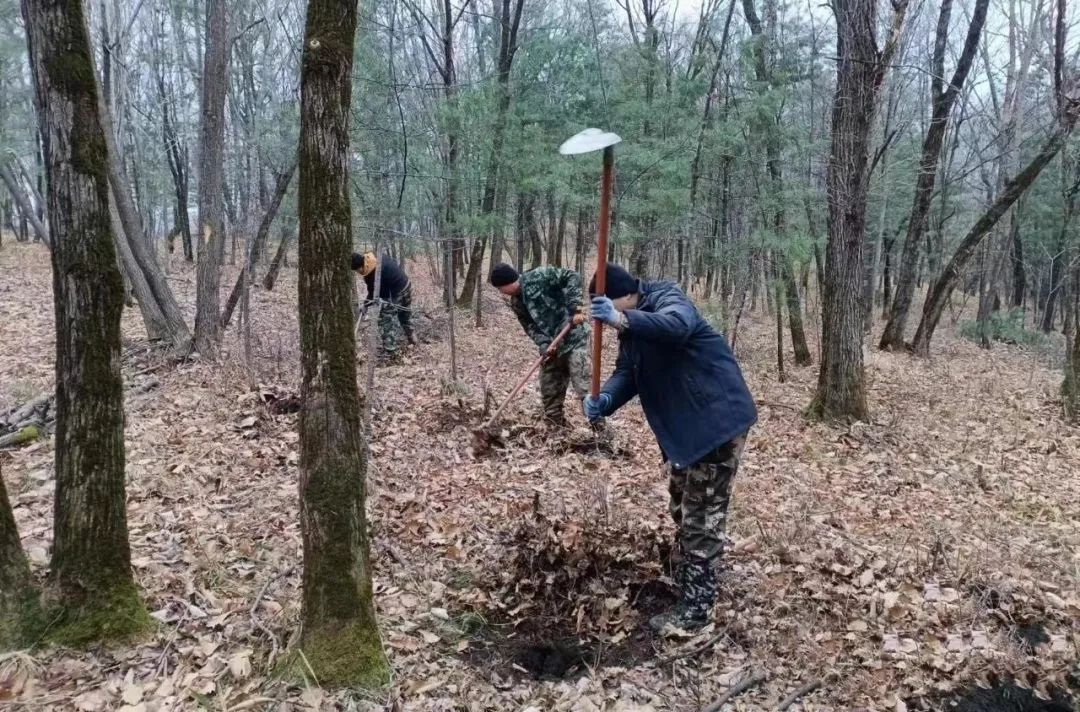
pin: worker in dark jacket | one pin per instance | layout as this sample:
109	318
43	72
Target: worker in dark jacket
395	292
699	409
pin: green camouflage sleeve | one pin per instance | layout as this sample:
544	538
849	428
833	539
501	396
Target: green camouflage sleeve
527	323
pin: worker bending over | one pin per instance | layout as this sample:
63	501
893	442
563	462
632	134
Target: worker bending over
545	300
395	292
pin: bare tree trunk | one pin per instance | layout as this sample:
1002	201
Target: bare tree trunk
174	329
258	244
510	22
1070	385
20	612
795	321
942	289
529	216
1019	274
25	209
91	588
1057	268
771	128
780	375
279	256
841	392
211	233
943	99
560	234
339	635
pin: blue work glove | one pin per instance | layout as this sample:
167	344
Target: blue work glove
603	309
594	408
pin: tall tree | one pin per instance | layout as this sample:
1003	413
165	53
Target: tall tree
860	71
90	581
340	638
211	233
161	312
942	100
763	56
509	22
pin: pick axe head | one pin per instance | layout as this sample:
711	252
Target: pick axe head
588	141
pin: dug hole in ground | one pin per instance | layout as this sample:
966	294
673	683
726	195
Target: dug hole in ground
923	560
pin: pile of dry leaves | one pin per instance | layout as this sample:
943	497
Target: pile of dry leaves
931	553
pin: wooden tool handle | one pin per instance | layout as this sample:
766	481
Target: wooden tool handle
601	263
521	384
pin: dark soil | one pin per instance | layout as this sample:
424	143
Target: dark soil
548	648
1003	696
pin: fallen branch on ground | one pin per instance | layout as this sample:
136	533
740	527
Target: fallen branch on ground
20	437
794	696
752	678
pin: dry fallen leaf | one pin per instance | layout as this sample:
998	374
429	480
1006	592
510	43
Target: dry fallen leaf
240	665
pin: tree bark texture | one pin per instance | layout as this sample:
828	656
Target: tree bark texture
942	102
90	581
340	638
841	392
211	233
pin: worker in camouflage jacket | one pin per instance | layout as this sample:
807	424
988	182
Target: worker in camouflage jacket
545	300
698	407
395	293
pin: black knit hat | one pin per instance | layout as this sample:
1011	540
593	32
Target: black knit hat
618	283
503	274
357	260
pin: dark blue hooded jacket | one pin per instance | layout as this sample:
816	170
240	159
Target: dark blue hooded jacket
690	386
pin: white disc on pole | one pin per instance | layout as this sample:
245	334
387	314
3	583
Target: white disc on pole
587	141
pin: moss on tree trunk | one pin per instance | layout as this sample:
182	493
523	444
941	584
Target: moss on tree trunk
91	594
20	612
340	640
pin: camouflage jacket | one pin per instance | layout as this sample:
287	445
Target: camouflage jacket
544	303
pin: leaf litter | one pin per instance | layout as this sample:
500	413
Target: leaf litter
903	561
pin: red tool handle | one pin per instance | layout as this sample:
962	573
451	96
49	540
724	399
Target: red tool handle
521	384
601	263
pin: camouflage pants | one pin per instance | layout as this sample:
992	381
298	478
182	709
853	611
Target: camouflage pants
399	309
565	369
699	501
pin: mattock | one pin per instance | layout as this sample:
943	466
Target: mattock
588	141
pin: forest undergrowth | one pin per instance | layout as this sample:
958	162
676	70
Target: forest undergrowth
929	554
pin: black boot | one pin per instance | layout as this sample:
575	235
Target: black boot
697	592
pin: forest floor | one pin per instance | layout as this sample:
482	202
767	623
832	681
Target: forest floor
933	552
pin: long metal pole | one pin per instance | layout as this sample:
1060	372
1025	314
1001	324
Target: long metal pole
601	262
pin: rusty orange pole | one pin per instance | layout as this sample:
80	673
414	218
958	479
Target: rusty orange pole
601	262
